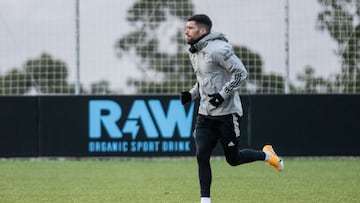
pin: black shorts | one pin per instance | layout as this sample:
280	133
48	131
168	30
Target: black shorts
211	129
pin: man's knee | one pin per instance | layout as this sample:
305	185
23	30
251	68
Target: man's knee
202	157
232	161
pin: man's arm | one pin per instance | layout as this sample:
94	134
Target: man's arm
228	60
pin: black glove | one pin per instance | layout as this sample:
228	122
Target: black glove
216	99
185	97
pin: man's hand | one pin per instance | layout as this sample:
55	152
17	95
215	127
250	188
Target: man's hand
185	97
216	99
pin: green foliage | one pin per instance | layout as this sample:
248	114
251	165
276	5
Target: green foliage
264	83
44	75
146	16
272	83
313	84
101	87
340	18
154	11
252	61
336	18
48	75
14	82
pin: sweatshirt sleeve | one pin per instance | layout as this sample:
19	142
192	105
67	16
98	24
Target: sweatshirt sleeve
226	58
194	91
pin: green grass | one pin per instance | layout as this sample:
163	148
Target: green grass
175	180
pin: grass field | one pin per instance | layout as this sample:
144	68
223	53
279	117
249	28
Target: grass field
175	180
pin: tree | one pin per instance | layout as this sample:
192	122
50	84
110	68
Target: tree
14	82
260	82
101	87
45	75
143	45
341	19
48	75
312	83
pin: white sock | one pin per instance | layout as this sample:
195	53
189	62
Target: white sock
205	200
267	156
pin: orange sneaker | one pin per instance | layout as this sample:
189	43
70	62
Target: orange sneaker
274	160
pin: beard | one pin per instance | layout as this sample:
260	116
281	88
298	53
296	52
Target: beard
191	41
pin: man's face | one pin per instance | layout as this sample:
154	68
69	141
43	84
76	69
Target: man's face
193	32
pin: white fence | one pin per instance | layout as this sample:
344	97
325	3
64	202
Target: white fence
129	47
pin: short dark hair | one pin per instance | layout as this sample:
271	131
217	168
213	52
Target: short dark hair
203	20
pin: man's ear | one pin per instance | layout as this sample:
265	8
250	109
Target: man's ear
203	31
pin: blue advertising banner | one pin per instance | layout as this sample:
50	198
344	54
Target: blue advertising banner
117	126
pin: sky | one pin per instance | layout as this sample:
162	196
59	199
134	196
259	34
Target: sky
31	27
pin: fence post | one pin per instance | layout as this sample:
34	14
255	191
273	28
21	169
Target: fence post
77	19
287	48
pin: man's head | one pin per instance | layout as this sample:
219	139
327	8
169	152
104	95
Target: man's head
196	27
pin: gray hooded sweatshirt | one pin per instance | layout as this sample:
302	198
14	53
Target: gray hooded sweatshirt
218	70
